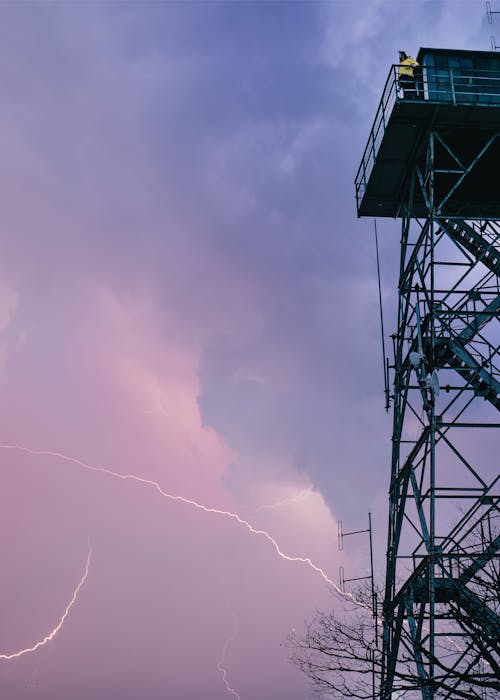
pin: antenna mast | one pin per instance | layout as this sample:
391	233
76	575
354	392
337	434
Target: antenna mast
343	581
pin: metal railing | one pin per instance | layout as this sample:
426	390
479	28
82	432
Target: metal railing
456	86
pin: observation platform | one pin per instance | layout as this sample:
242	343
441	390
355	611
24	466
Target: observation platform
457	95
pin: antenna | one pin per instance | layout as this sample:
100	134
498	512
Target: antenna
385	361
343	580
489	15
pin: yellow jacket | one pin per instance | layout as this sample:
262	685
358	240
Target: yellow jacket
406	67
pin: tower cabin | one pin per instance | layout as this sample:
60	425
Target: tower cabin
455	97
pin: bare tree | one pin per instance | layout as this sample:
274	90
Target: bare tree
338	651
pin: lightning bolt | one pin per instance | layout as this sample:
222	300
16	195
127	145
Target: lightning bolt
199	506
298	498
173	497
56	629
221	664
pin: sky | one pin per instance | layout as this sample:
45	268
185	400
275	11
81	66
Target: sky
187	297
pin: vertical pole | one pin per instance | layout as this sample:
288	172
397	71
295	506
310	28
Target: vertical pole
374	602
373	674
371	563
432	555
382	331
432	426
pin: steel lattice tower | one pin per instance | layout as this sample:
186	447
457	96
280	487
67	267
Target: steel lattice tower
433	160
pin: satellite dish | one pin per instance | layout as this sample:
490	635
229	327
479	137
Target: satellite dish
432	383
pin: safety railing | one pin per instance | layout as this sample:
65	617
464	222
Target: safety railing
456	86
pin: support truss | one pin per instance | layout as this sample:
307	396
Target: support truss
442	600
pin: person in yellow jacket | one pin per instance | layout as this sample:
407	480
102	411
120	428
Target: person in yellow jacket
406	76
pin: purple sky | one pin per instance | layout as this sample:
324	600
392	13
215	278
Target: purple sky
186	295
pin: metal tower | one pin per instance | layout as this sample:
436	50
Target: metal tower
432	160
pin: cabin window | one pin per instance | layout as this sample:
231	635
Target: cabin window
461	78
